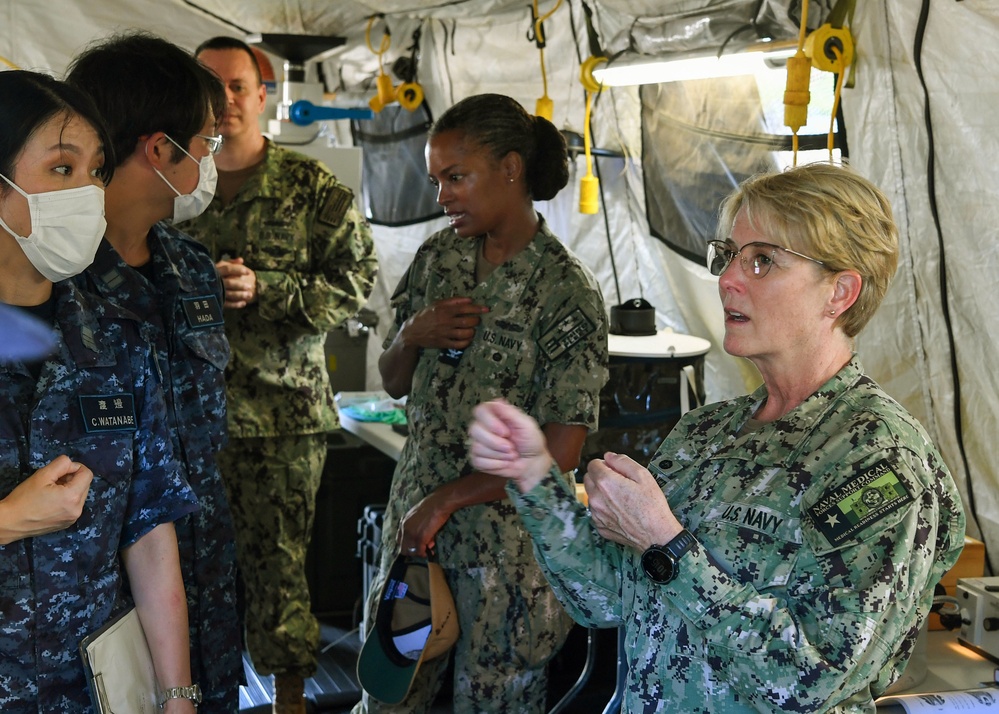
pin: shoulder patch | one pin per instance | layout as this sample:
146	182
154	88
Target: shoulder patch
562	337
864	500
336	206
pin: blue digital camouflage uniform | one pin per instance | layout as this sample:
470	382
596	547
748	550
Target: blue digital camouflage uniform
297	227
820	537
182	312
97	399
543	347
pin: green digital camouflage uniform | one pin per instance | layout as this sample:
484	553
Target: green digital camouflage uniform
543	347
297	227
820	538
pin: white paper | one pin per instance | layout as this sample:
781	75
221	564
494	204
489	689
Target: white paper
968	701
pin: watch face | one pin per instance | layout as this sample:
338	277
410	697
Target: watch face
658	565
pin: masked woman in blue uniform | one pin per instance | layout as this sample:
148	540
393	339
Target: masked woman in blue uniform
94	406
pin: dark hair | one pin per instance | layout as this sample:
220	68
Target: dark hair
30	99
143	84
501	125
222	42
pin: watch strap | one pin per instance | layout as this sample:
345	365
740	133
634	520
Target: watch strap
680	544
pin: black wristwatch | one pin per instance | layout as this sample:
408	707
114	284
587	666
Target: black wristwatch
661	563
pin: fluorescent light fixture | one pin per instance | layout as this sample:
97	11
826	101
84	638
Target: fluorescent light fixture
647	70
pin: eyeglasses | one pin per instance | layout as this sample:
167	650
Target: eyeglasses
214	142
756	257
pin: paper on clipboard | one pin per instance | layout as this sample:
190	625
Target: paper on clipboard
119	667
966	701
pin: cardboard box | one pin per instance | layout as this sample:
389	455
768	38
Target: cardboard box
971	564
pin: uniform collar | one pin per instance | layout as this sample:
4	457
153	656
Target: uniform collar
258	184
777	443
112	275
519	270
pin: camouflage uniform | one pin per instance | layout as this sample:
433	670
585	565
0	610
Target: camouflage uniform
298	229
543	347
97	400
820	537
181	305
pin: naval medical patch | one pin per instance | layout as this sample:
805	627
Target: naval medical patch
866	499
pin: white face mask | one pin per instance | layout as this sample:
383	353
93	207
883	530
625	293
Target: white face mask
66	229
191	205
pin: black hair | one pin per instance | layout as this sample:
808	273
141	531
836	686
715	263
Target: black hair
501	125
143	84
222	42
30	99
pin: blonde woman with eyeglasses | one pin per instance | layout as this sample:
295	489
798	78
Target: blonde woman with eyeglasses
780	551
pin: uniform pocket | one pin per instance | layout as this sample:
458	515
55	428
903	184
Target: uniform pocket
210	346
538	623
279	248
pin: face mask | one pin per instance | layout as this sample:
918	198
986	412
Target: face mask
191	205
66	229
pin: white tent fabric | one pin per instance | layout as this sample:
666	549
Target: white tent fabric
909	345
481	45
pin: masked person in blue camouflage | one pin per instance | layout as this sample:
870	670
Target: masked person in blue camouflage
296	260
160	105
493	305
781	550
51	498
94	406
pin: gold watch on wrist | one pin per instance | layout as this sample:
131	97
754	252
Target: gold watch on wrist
192	692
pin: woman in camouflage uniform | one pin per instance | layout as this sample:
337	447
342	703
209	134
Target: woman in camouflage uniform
494	305
95	401
781	555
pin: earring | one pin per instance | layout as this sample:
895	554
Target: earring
832	312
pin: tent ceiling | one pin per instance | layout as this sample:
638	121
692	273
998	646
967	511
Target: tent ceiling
321	17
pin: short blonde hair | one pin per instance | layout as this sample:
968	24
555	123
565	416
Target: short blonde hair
830	213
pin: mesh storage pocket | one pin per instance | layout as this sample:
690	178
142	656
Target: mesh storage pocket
395	190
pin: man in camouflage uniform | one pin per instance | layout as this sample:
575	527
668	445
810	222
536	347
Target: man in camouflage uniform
97	400
170	281
541	345
296	259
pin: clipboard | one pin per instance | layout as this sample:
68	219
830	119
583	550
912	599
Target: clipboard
119	667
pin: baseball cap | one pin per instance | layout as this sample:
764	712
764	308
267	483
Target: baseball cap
23	336
416	621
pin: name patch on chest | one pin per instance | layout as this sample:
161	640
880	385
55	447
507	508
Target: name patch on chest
203	311
573	328
108	412
757	518
501	340
866	499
